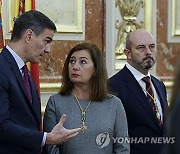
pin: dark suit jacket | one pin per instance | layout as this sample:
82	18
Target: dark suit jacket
142	121
19	120
173	127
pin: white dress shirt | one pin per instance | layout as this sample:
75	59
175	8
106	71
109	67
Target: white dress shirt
138	76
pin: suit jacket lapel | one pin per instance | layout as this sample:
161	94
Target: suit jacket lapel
136	89
19	78
15	69
35	99
35	108
161	95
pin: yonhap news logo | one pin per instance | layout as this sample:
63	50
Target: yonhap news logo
103	140
144	140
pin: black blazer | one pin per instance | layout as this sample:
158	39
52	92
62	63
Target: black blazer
142	121
172	129
19	120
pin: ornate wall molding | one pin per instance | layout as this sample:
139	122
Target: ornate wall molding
47	89
145	16
69	19
173	21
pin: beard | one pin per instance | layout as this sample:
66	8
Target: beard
146	64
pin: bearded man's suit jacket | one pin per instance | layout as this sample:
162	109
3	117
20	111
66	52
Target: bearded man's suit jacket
142	121
19	119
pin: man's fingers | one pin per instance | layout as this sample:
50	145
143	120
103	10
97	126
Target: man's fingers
63	119
73	132
72	135
68	137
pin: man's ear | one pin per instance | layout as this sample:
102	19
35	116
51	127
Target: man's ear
127	52
28	35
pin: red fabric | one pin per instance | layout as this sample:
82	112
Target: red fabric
35	67
35	75
33	5
21	7
1	29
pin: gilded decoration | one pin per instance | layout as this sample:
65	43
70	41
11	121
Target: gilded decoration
129	11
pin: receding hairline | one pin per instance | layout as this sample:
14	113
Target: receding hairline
135	33
140	31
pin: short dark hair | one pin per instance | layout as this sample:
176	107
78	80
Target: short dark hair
99	80
34	20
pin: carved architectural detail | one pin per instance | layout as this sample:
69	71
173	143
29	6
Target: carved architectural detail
129	10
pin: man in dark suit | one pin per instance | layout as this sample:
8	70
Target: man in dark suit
20	113
144	103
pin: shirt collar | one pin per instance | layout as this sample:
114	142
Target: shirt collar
18	59
138	75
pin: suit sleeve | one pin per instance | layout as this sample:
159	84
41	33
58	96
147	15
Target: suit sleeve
10	132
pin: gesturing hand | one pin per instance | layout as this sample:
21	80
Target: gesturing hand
59	134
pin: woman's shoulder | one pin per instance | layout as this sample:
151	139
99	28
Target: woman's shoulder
60	98
117	104
56	96
113	98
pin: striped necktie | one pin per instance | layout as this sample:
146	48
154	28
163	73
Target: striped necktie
150	96
151	99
